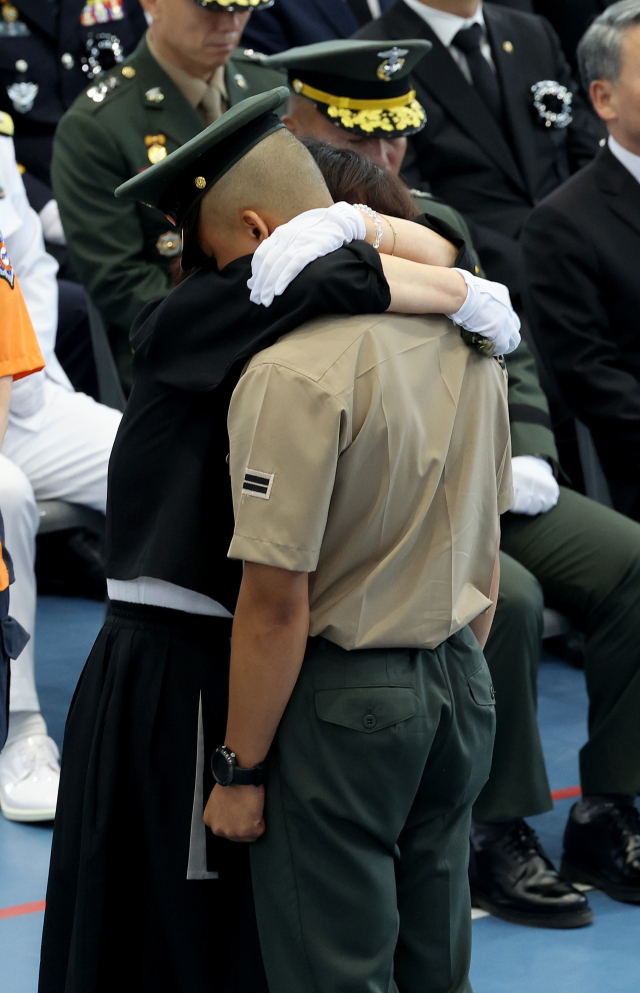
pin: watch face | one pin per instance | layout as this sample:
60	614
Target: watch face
222	767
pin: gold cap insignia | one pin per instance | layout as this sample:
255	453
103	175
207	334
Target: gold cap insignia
128	72
200	182
155	95
393	62
508	46
169	244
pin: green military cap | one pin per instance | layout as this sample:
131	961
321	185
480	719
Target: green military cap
361	86
176	185
234	5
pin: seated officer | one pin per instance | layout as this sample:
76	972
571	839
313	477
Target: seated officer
184	74
360	110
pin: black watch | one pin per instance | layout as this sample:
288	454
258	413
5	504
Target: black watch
227	772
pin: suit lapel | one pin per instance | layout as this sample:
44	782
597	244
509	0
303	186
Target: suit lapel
440	75
508	68
622	189
41	12
171	115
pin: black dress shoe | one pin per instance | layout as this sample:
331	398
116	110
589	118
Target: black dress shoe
603	848
512	878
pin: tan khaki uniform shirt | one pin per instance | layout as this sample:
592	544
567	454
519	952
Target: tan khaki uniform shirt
373	452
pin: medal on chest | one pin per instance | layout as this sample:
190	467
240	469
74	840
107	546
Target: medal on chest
101	12
156	147
22	96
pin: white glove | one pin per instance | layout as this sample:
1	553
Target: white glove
292	246
488	311
535	490
51	223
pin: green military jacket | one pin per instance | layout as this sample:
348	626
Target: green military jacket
531	428
123	251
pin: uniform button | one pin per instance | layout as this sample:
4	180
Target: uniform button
67	60
369	721
22	65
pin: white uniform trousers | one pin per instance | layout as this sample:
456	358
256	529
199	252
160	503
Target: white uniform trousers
60	452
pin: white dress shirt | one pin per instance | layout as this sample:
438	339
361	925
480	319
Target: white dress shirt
446	26
628	159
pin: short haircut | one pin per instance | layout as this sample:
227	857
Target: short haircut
278	175
599	51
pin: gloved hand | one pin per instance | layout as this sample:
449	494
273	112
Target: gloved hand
292	246
51	223
487	311
535	490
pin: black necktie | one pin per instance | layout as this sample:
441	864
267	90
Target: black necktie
361	10
484	78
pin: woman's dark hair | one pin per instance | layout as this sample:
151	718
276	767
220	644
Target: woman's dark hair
357	179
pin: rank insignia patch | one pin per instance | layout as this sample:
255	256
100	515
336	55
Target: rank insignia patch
6	269
257	484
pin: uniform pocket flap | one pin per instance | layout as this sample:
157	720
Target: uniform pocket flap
368	708
481	688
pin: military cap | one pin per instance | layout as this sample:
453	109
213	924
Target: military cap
235	5
361	86
177	184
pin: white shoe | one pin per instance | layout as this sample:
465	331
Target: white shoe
29	779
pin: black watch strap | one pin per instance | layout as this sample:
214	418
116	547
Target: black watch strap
227	772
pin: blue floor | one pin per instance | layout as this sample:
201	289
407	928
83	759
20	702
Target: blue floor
603	958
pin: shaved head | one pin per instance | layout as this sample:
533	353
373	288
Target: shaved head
278	179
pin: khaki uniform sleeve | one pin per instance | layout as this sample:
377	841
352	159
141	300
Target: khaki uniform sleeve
284	433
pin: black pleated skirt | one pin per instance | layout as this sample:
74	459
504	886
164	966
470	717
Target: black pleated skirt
141	897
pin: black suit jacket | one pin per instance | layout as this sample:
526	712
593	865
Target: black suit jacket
582	247
494	176
290	23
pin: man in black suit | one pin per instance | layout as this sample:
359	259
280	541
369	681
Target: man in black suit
486	149
290	23
582	246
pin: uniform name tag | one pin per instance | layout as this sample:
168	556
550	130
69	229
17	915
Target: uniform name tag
257	484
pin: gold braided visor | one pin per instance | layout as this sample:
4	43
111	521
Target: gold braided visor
395	114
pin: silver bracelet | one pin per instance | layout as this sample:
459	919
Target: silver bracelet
377	220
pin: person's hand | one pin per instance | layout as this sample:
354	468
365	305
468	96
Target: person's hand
292	246
236	812
534	488
487	311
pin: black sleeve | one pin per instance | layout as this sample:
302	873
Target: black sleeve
464	259
569	319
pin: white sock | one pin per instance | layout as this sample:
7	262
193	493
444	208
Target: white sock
23	724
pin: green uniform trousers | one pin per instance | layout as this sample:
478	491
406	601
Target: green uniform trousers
582	559
361	877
